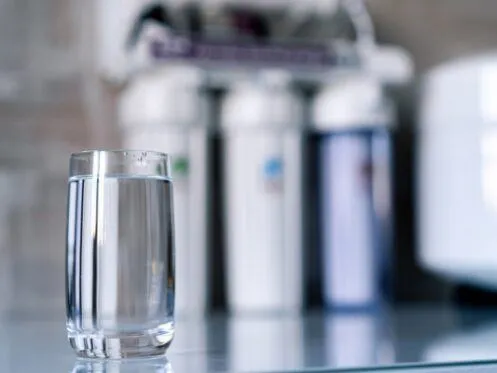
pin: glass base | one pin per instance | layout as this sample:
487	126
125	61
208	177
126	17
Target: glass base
125	345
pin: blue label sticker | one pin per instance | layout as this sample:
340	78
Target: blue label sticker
273	174
273	168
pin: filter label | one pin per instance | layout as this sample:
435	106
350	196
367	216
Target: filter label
181	167
273	169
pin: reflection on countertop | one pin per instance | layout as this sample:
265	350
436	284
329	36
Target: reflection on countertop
473	339
269	344
160	365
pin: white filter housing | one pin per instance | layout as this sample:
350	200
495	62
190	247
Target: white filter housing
352	116
262	122
165	111
457	168
351	102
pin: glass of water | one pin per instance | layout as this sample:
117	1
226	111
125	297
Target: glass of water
120	254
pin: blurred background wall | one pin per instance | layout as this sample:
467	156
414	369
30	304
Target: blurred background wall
52	103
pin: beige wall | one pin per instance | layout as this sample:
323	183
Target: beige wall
437	30
51	103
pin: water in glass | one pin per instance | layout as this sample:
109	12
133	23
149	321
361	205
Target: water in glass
120	266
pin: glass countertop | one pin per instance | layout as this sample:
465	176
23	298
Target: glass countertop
420	339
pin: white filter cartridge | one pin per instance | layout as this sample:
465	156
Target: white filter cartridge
263	177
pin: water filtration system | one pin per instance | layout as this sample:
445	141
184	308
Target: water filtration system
262	120
171	54
166	110
353	119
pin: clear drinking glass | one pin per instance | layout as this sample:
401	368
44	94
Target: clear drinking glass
120	254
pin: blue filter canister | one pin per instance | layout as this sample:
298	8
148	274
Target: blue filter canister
353	119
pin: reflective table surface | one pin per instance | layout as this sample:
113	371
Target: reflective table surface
415	337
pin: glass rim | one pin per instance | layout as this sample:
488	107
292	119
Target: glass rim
148	154
119	162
